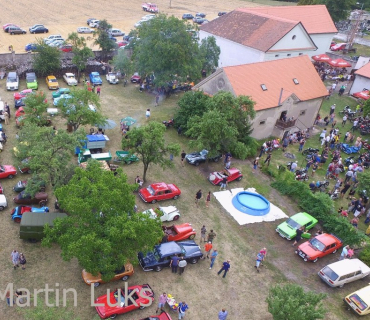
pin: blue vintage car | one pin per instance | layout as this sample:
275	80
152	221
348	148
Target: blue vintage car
160	257
17	212
63	97
95	79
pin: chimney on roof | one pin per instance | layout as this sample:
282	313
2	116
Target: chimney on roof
281	94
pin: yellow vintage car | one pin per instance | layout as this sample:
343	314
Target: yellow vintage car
124	273
52	83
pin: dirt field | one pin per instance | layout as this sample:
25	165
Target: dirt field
64	17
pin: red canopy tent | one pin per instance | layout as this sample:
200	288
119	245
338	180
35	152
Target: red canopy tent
365	95
321	58
339	63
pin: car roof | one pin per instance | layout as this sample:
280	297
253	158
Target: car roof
51	77
159	186
94	73
168	209
69	74
326	238
169	249
232	170
348	266
302	218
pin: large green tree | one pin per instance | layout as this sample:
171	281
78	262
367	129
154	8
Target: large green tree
290	302
123	63
81	52
149	143
366	108
35	109
364	181
83	108
47	59
49	152
210	53
101	35
101	230
225	126
167	50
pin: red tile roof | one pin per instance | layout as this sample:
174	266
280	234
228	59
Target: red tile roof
247	79
315	18
257	31
364	71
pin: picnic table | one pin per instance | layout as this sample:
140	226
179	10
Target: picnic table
171	301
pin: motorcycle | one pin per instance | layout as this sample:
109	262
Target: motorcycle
309	151
301	175
347	110
348	161
168	123
335	194
322	185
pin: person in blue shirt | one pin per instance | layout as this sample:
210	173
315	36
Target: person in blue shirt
222	315
181	309
225	268
174	263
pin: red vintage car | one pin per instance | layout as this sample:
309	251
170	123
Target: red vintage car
179	232
231	174
22	94
120	304
163	316
159	191
7	172
20	112
319	247
1	189
66	48
24	198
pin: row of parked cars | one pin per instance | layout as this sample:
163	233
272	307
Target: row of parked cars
14	29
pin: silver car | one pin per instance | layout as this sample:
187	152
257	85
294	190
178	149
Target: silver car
85	30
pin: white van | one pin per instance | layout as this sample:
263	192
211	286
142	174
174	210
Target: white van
12	81
339	273
53	37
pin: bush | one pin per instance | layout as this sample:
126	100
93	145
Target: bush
320	206
365	255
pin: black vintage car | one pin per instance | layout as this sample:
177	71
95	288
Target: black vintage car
197	158
160	257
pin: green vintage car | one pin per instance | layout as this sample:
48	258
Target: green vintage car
31	81
59	92
288	228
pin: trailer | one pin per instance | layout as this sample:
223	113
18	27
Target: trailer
94	142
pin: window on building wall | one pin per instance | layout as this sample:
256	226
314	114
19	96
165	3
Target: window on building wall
302	112
300	54
288	55
276	55
264	88
294	37
263	122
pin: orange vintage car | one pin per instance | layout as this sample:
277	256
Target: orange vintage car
124	273
180	232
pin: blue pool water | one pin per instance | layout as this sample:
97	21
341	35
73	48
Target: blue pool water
251	203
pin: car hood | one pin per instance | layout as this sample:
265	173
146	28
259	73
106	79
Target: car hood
145	193
148	260
191	248
287	229
309	250
9	168
194	155
106	310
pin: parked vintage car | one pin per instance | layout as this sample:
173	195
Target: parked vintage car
7	171
70	79
64	98
52	83
159	258
359	301
22	94
39	198
19	103
20	111
59	92
17	212
121	274
159	191
288	229
31	80
163	316
113	305
24	166
231	174
95	79
338	46
1	189
169	213
179	232
21	185
135	78
319	247
3	202
196	158
112	77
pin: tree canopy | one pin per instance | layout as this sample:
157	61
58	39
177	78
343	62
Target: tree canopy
101	35
49	152
101	229
167	49
35	109
123	63
290	302
210	53
148	142
47	59
81	52
79	109
218	123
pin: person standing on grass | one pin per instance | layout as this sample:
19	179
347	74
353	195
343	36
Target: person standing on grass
162	302
268	159
223	184
225	268
147	114
354	126
255	163
182	309
332	109
301	144
298	236
207	248
344	120
15	258
314	168
6	117
222	315
203	232
213	258
198	196
183	155
211	236
174	263
208	199
285	143
7	108
182	265
22	261
293	166
259	260
157	100
344	253
98	91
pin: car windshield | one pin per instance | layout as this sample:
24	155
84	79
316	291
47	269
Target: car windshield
183	251
317	244
358	302
11	79
156	255
151	190
70	76
52	80
330	273
293	223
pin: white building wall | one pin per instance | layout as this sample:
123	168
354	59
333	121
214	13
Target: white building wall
232	53
322	42
359	84
295	38
361	62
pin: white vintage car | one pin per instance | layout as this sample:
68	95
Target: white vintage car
112	77
70	79
169	213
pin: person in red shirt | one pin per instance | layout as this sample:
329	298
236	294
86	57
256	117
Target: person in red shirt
208	247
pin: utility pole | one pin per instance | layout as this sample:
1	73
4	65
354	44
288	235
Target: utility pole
355	22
